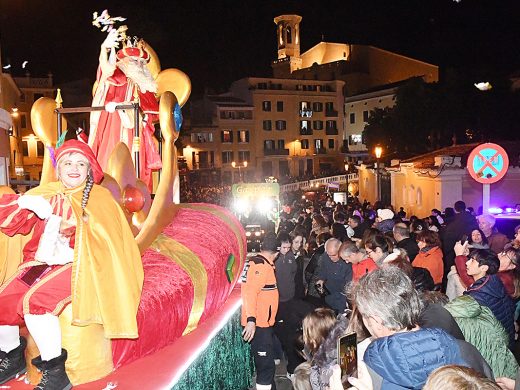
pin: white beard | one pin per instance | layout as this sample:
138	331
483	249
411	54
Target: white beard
137	71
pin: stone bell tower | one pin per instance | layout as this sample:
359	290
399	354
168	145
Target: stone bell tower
288	42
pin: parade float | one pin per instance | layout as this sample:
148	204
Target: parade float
192	254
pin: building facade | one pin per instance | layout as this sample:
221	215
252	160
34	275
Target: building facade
30	151
279	127
294	123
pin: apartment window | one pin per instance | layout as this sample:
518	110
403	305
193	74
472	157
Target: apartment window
23	121
226	136
227	157
331	143
281	125
305	125
352	118
243	136
365	116
269	144
329	106
317	125
280	144
267	125
40	149
266	105
305	106
25	148
317	106
279	106
243	155
318	144
262	85
201	138
305	143
331	125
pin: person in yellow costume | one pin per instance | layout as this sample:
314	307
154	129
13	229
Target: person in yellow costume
81	251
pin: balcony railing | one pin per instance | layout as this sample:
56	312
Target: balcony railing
331	113
305	131
276	152
306	113
321	151
331	131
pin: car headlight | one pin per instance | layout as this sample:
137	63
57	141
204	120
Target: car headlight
258	234
248	234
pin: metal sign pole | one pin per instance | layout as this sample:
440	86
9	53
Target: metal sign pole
485	198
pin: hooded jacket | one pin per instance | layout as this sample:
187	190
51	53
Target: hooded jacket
482	329
489	291
404	360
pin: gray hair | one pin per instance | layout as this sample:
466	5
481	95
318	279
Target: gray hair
389	294
488	218
401	229
332	244
348	248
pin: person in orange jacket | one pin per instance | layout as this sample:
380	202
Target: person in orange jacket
430	254
259	308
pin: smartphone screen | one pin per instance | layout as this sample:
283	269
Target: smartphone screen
347	356
464	239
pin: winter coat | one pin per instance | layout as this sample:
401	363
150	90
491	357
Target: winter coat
410	246
386	225
432	261
404	360
489	291
326	356
482	329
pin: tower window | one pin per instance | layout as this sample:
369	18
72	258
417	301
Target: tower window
289	34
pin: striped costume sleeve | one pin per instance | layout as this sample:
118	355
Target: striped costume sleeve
13	219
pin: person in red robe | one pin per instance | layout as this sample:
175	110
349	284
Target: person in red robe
121	79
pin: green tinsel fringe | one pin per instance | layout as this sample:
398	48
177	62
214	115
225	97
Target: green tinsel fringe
226	364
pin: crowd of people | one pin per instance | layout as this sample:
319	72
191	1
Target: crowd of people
219	195
432	300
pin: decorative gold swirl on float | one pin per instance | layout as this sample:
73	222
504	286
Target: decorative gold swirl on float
163	209
44	122
192	265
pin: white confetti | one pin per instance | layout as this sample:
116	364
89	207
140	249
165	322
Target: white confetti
24	64
483	86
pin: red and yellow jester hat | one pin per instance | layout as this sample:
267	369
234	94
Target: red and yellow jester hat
75	146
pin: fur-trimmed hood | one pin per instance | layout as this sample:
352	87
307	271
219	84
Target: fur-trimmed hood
326	356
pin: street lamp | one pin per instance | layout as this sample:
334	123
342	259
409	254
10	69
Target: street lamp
243	165
378	152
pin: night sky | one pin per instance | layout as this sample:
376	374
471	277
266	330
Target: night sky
220	41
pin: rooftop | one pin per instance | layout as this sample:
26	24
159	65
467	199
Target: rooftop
427	160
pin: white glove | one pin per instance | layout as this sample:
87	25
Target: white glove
112	40
38	204
111	107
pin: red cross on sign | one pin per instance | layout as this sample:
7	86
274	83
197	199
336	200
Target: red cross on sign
488	163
